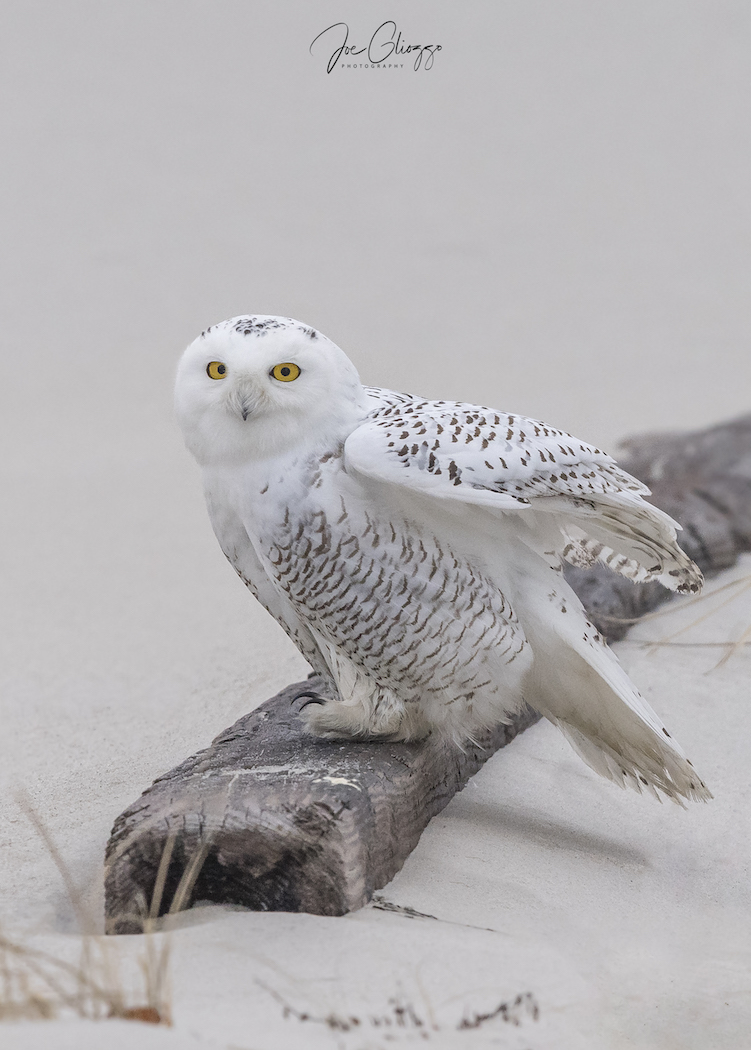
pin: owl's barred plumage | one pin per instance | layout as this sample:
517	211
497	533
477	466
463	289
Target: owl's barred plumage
412	549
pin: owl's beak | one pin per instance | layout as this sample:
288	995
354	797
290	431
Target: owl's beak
243	400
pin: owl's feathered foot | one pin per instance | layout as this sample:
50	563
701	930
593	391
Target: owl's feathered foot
344	720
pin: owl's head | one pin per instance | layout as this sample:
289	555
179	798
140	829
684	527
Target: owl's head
256	386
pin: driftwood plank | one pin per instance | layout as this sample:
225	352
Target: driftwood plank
278	821
291	823
703	480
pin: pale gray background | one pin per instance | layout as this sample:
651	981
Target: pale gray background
553	220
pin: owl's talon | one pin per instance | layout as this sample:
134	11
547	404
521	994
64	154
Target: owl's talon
313	698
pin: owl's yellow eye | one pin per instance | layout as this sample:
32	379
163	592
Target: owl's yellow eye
285	372
216	370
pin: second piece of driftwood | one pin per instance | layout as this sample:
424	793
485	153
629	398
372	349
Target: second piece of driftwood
703	480
270	819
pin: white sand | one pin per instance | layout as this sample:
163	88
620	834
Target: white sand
555	222
629	921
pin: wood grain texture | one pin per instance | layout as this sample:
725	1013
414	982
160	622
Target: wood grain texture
283	822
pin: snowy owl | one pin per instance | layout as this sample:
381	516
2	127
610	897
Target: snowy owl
412	550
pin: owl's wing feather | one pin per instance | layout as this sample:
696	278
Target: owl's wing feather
453	451
511	464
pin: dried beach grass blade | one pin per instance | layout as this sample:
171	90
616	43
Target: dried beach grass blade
83	917
679	603
35	984
731	646
734	647
189	876
161	877
701	619
154	962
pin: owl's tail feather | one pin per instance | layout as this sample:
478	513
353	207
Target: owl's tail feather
641	767
578	683
615	731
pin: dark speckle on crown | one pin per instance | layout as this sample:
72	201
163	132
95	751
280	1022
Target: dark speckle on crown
256	325
260	326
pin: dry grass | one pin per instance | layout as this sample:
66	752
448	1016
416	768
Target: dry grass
402	1015
738	587
37	985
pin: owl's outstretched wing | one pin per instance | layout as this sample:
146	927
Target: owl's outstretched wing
454	451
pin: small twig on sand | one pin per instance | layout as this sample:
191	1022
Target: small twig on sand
332	1020
510	1013
402	1014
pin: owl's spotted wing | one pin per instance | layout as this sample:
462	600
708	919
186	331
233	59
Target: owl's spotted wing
454	451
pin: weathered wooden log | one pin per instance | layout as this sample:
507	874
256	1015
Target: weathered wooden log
703	480
276	820
294	823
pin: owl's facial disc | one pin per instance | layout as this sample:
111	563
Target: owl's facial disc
253	387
